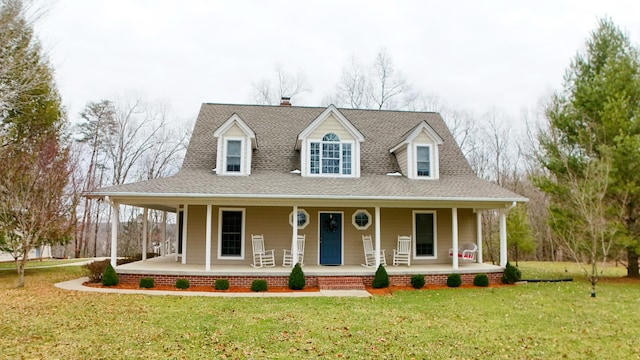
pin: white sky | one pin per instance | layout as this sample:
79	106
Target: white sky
474	55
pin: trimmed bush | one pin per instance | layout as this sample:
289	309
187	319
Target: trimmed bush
454	280
296	278
96	269
259	285
511	274
109	277
381	279
221	284
481	280
146	283
417	281
182	284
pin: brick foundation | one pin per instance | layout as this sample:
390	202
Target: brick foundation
311	281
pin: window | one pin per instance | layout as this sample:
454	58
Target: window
231	233
330	156
361	219
234	155
303	218
424	233
423	161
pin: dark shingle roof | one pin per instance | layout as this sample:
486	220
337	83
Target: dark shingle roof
277	128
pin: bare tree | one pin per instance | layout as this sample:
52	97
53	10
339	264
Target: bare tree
387	84
284	84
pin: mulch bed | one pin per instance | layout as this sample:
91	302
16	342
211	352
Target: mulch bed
384	291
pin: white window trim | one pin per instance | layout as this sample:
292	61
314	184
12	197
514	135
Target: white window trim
435	234
412	161
291	222
245	161
355	158
242	236
353	219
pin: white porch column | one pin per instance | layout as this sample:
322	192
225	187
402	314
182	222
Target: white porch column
503	239
145	232
294	237
377	220
115	220
184	234
207	256
164	234
479	235
454	237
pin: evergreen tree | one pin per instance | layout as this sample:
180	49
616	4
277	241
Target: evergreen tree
595	118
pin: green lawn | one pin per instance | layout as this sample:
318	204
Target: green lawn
39	263
541	320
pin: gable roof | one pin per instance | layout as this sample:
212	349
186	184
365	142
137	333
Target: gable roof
411	135
236	120
331	110
272	163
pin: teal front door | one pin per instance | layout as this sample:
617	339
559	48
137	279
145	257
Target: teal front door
330	239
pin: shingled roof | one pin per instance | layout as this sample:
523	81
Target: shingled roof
277	128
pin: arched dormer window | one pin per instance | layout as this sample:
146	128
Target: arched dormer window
330	156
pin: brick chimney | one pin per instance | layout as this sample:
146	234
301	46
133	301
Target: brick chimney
285	101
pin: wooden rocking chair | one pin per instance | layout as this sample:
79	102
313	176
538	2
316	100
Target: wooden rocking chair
261	257
370	253
287	259
402	254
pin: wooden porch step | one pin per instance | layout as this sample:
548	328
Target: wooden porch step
340	283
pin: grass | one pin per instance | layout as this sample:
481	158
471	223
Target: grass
38	263
541	320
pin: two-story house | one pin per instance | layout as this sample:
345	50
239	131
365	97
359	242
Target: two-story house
334	176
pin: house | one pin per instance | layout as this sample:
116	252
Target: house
338	174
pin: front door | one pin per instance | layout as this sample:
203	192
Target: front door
330	239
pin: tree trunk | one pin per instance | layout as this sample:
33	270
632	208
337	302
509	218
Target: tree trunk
632	264
20	264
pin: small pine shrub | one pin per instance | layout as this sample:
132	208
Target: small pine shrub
96	269
481	280
296	278
417	281
109	277
381	279
146	283
182	284
511	274
221	284
259	285
454	280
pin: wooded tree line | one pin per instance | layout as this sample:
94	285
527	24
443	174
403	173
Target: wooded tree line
576	159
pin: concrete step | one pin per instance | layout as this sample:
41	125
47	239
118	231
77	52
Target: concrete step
340	283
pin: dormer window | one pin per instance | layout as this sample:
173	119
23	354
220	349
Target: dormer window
234	156
330	156
423	160
236	141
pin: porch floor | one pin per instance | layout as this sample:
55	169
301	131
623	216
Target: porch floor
167	265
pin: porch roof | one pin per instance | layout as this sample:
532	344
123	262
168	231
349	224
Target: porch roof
203	186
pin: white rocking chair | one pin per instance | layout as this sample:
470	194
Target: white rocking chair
261	257
370	253
287	259
402	254
467	252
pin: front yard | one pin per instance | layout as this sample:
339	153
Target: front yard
541	320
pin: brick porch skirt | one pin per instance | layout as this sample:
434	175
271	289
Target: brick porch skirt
283	281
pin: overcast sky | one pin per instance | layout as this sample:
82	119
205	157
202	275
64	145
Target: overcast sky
474	55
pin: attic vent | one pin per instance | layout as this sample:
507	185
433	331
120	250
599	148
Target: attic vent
285	101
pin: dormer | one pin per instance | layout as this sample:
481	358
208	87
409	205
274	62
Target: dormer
236	142
330	146
418	154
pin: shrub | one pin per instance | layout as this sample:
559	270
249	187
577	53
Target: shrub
481	280
259	285
182	284
296	278
109	277
454	280
511	274
221	284
96	269
146	283
417	281
381	279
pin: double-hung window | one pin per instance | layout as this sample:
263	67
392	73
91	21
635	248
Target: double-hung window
424	233
423	161
231	233
234	156
330	156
